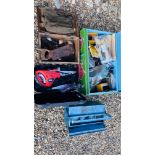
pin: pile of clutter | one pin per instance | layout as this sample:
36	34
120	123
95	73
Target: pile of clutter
101	62
59	77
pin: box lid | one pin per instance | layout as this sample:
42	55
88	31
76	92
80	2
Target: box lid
88	108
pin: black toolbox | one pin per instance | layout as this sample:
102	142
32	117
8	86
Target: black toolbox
63	92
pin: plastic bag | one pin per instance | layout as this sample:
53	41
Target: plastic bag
103	47
97	74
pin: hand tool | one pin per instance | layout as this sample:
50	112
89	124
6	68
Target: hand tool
47	77
59	53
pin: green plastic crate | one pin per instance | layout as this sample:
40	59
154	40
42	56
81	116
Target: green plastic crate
84	59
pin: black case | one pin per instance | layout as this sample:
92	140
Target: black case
47	98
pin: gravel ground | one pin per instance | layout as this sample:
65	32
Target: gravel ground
50	132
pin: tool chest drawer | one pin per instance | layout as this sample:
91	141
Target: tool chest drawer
101	61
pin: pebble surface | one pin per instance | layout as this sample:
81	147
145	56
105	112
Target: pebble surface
50	132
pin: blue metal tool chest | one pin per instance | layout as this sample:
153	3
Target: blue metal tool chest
89	117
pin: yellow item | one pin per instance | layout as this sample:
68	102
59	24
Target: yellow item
100	87
91	42
93	51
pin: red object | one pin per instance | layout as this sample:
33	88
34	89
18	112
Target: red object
80	71
47	77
